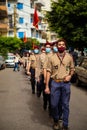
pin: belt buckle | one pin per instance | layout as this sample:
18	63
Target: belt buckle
58	80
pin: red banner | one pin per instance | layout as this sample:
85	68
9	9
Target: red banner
35	19
25	38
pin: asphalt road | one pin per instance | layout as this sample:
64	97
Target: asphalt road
20	110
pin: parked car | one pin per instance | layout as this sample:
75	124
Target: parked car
79	60
2	63
10	61
81	72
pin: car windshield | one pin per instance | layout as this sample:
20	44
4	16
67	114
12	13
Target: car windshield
11	58
84	63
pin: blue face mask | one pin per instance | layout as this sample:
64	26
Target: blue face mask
36	51
55	49
48	50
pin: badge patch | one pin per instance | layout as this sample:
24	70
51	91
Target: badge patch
56	67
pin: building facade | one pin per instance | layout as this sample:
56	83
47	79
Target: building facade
16	19
20	14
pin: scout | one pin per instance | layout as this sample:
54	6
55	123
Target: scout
61	68
32	67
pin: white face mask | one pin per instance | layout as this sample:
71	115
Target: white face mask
36	51
55	49
48	49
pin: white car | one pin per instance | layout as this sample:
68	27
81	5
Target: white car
10	61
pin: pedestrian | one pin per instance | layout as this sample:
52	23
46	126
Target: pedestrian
46	97
16	61
61	68
40	82
32	67
55	50
74	55
27	60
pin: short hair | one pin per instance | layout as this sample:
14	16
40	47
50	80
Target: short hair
36	47
62	40
47	43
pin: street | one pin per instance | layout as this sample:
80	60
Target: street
21	110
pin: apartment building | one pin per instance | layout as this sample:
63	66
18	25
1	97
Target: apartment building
50	36
20	15
3	18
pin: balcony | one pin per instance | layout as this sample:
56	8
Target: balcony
3	9
3	3
3	27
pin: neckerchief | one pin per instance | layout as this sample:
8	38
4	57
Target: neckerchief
61	60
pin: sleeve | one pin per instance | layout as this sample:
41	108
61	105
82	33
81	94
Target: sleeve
49	65
37	69
72	67
45	63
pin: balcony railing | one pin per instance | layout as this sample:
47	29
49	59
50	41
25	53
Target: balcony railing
3	26
2	3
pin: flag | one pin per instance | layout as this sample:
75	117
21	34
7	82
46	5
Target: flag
25	38
35	19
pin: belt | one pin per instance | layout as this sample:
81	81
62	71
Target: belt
58	80
32	67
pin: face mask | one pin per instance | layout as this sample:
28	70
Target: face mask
55	49
48	50
36	51
61	49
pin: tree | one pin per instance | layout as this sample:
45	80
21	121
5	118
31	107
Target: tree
29	44
69	20
9	44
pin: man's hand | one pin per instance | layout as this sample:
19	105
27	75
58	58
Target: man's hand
67	78
28	73
37	79
47	90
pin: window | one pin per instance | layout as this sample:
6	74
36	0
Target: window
21	20
32	33
31	20
36	34
8	4
10	21
19	5
11	33
20	34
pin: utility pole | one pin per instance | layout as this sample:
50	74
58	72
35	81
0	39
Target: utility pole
15	22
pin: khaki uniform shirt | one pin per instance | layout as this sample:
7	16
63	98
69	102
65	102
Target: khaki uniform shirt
32	61
46	60
24	60
42	61
59	70
35	64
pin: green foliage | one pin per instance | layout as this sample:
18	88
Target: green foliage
14	44
9	44
69	20
29	44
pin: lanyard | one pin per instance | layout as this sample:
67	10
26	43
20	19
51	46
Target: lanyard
61	59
